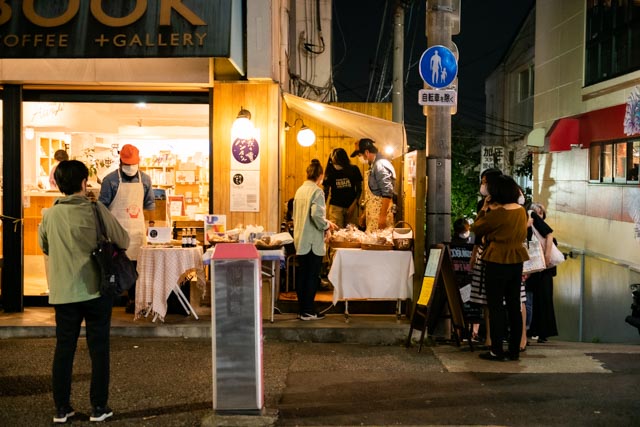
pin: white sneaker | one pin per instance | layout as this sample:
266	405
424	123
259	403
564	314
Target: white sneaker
311	316
101	414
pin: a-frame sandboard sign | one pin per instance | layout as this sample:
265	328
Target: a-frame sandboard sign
439	286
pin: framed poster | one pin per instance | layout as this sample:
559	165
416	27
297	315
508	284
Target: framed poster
176	206
245	191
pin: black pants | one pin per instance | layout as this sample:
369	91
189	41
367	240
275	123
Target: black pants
97	316
308	281
503	293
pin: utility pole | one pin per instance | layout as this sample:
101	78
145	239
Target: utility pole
439	30
397	94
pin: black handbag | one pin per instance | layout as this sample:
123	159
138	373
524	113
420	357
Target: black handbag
117	272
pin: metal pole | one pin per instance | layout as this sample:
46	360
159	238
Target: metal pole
439	14
398	65
397	94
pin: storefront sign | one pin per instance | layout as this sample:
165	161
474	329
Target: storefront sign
116	29
492	157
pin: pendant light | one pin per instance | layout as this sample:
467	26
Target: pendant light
306	137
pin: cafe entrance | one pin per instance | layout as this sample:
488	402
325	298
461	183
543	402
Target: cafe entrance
170	130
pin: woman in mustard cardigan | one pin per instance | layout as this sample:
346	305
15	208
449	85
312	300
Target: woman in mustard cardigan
502	222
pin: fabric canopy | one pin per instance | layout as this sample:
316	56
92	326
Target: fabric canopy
565	134
383	132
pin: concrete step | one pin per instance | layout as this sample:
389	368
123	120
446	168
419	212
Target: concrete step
378	329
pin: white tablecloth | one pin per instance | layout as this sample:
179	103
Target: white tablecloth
360	274
159	271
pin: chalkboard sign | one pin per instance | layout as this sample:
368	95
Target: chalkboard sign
439	288
461	264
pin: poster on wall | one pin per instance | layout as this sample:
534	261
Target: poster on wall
245	191
410	170
245	153
492	156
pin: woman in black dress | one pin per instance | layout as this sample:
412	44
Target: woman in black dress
543	318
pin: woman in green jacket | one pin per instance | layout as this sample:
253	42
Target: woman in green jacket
67	234
311	229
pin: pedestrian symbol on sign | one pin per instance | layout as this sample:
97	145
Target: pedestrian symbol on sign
438	67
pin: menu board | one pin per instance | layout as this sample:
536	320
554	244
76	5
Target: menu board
461	264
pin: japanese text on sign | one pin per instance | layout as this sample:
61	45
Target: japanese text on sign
492	157
437	97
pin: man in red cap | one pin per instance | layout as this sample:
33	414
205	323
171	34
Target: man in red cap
127	191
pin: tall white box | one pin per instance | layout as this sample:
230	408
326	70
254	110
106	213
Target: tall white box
236	329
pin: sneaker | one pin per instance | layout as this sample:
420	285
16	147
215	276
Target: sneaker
101	413
311	316
63	413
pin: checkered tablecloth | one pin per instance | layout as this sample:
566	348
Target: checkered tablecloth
159	271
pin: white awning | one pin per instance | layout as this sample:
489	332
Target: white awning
383	132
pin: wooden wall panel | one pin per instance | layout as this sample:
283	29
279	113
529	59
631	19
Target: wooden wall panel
297	158
262	100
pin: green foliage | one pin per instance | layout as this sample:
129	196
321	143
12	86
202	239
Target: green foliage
525	168
465	159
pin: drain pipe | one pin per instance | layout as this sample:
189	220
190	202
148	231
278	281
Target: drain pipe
582	297
573	254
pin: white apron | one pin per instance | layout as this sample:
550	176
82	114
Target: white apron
127	207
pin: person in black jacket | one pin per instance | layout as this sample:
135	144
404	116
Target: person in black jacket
540	284
342	188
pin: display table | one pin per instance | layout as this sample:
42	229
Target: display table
162	271
270	260
363	274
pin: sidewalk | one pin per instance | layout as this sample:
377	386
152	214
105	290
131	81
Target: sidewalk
167	382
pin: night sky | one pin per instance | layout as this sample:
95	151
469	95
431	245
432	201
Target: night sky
487	28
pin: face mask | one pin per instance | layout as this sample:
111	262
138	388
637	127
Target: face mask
483	190
521	200
130	170
465	235
337	167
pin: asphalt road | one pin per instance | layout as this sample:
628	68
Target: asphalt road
167	382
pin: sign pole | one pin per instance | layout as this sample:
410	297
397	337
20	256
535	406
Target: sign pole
438	222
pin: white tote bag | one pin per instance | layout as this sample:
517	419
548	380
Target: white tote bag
556	257
536	261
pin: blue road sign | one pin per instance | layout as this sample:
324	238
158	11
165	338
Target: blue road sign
438	67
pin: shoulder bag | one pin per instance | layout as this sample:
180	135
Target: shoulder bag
556	257
117	272
536	262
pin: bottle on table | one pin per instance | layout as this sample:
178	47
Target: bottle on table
184	237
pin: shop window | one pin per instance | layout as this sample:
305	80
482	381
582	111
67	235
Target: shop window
634	162
614	162
594	162
611	42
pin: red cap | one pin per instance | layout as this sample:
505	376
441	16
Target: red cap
129	155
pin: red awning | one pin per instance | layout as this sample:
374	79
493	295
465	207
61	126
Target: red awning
606	124
565	133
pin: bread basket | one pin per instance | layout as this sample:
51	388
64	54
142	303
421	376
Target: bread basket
402	237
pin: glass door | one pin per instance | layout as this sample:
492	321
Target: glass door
173	140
